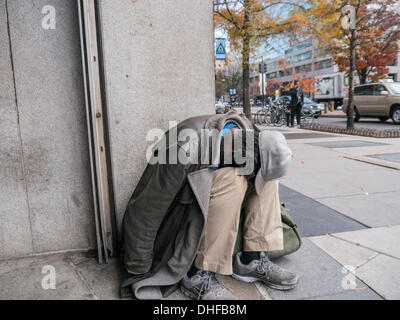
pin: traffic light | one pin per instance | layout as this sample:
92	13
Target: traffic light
262	67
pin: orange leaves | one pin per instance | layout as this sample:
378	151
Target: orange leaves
376	35
253	19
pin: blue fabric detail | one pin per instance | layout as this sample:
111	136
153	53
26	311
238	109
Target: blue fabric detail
225	130
228	127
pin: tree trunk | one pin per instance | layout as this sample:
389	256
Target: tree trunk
350	106
363	76
246	61
246	79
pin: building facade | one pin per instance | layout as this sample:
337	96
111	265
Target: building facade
307	60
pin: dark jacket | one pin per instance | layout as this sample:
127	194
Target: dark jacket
166	215
295	98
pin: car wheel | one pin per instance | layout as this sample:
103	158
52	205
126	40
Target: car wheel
396	115
356	115
383	119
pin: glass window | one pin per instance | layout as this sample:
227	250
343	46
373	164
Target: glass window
303	45
364	91
301	57
377	89
357	91
288	51
394	87
323	64
304	68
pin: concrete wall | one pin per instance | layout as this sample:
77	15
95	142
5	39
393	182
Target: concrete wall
45	196
159	60
159	67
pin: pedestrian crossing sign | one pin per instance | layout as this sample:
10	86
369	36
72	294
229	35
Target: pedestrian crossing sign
220	52
220	49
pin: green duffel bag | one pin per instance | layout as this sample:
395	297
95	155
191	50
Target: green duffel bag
291	236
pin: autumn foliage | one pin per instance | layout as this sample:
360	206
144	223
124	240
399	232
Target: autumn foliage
376	41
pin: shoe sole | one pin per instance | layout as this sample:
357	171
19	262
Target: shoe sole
249	279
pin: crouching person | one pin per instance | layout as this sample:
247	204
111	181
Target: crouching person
181	223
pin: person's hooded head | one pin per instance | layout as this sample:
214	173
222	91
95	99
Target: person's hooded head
275	158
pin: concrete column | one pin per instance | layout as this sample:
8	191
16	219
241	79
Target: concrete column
159	64
15	232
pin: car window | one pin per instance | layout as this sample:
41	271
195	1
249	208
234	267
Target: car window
358	91
377	89
306	100
364	91
394	87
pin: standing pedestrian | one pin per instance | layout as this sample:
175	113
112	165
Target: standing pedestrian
296	105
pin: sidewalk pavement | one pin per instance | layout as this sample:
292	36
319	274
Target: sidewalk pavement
347	212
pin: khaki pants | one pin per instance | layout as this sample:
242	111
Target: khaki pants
262	226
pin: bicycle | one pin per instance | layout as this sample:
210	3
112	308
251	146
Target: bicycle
307	118
260	116
277	113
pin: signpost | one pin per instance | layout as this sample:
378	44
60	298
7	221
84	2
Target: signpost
220	51
262	68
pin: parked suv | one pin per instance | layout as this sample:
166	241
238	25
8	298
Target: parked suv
378	100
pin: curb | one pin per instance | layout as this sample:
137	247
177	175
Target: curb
365	132
332	116
378	162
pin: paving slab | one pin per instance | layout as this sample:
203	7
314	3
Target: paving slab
346	144
347	254
103	280
312	166
374	161
308	135
243	291
342	182
303	153
22	279
312	217
392	157
383	275
383	240
320	276
373	210
361	294
388	147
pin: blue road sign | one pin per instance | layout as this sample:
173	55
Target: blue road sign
220	52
